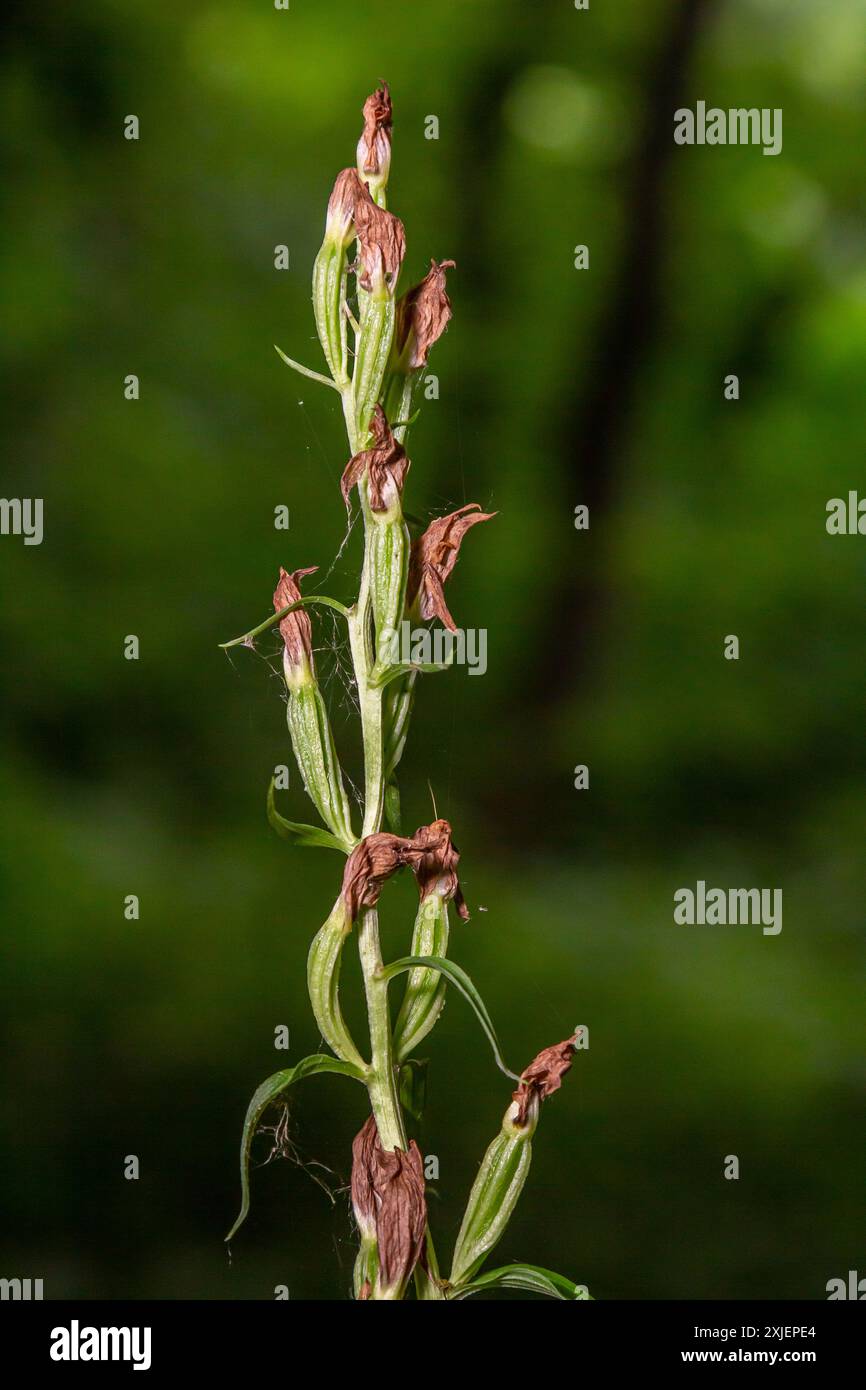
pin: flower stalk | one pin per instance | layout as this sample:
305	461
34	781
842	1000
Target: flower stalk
375	347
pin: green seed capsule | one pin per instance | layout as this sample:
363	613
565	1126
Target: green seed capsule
323	982
389	562
493	1198
373	351
328	271
424	998
317	759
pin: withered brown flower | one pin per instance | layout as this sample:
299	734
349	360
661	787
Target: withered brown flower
295	628
370	864
374	146
433	557
429	852
347	192
388	1196
423	315
381	244
387	464
542	1077
437	864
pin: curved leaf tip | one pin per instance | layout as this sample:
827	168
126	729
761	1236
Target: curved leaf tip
265	1095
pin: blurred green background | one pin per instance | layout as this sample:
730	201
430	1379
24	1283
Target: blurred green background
557	387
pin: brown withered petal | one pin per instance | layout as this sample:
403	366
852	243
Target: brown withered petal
423	314
295	628
386	461
388	1193
437	864
433	557
381	242
401	1222
371	862
363	1201
348	190
377	858
374	149
543	1076
365	1290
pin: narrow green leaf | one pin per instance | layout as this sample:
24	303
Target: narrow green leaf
461	981
530	1278
265	1095
297	833
246	639
307	371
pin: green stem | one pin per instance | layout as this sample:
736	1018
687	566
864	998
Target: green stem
382	1084
382	1077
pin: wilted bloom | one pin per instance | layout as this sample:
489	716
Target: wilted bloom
436	869
340	220
386	463
541	1078
381	245
295	629
422	316
505	1165
390	1207
377	858
374	146
434	556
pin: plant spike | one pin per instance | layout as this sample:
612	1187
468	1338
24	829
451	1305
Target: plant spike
376	377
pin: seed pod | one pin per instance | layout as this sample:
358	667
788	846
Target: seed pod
307	716
385	466
506	1163
329	270
316	756
389	563
492	1200
323	982
424	997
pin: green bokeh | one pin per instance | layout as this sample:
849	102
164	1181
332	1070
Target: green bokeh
605	647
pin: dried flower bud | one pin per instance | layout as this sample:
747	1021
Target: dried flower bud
340	220
433	557
374	146
541	1078
382	246
436	869
386	463
422	316
295	629
388	1198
